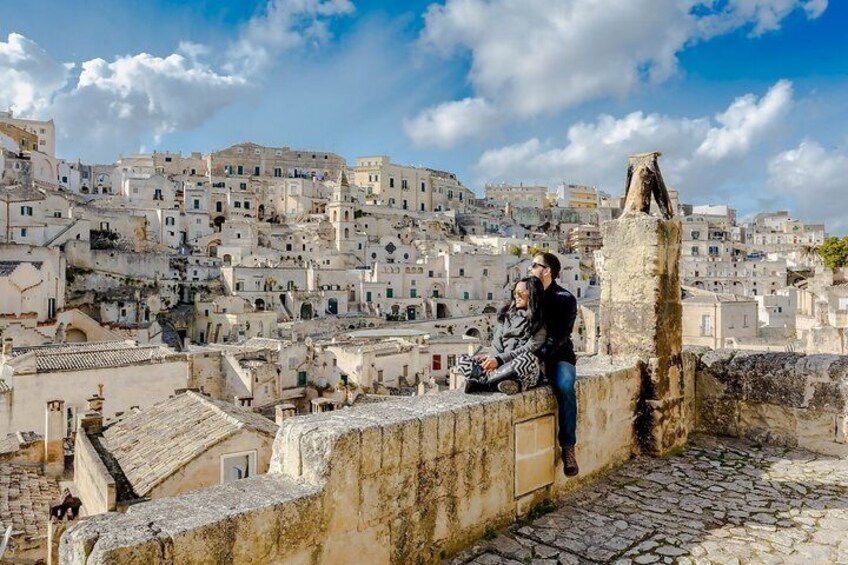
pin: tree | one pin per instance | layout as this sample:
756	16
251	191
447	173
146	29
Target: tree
834	252
811	252
514	250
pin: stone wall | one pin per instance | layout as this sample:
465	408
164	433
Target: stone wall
396	482
785	398
95	485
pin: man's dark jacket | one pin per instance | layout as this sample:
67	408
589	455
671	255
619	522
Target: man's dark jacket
559	310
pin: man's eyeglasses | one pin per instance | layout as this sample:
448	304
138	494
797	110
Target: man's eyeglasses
540	265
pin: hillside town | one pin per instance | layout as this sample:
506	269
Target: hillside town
161	316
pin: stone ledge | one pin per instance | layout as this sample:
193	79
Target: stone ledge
787	399
397	482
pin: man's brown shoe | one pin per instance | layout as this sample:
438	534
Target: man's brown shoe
569	462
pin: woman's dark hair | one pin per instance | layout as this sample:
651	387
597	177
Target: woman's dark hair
534	297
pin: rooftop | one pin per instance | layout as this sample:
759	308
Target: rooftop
93	355
153	444
25	497
8	267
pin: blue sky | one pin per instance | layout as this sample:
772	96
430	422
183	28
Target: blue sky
747	99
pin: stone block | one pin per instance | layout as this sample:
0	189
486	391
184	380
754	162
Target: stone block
370	546
718	416
429	438
391	446
411	444
463	437
768	423
446	423
371	450
640	296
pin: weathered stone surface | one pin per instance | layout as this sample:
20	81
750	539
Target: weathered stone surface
719	501
394	483
783	398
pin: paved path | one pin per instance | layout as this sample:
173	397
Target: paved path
720	501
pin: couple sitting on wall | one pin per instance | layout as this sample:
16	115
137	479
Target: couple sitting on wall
533	336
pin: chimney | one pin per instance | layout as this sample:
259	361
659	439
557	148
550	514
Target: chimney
54	438
244	401
94	404
8	344
283	412
90	422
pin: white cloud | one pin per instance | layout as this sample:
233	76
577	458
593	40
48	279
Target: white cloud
28	76
540	56
745	121
443	125
596	153
132	100
284	25
816	180
118	104
762	15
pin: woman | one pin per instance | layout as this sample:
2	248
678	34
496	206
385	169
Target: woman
512	366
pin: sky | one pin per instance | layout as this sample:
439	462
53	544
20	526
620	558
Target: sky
746	99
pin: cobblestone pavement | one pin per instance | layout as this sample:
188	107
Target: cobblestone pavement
720	501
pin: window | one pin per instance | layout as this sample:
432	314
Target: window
391	182
485	272
240	170
465	296
169	221
451	361
696	235
423	189
390	293
196	204
745	320
219	206
380	376
437	362
247	204
435	293
236	204
462	272
368	296
243	185
23	232
413	293
706	325
168	159
256	171
238	466
404	185
278	172
490	296
26	210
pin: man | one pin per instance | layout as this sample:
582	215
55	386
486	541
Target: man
559	310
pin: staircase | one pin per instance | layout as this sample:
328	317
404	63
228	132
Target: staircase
52	240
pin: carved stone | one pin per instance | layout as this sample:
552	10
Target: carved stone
644	179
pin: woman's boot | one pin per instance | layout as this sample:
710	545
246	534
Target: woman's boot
504	379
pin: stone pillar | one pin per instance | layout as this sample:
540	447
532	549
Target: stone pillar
54	438
283	412
641	315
